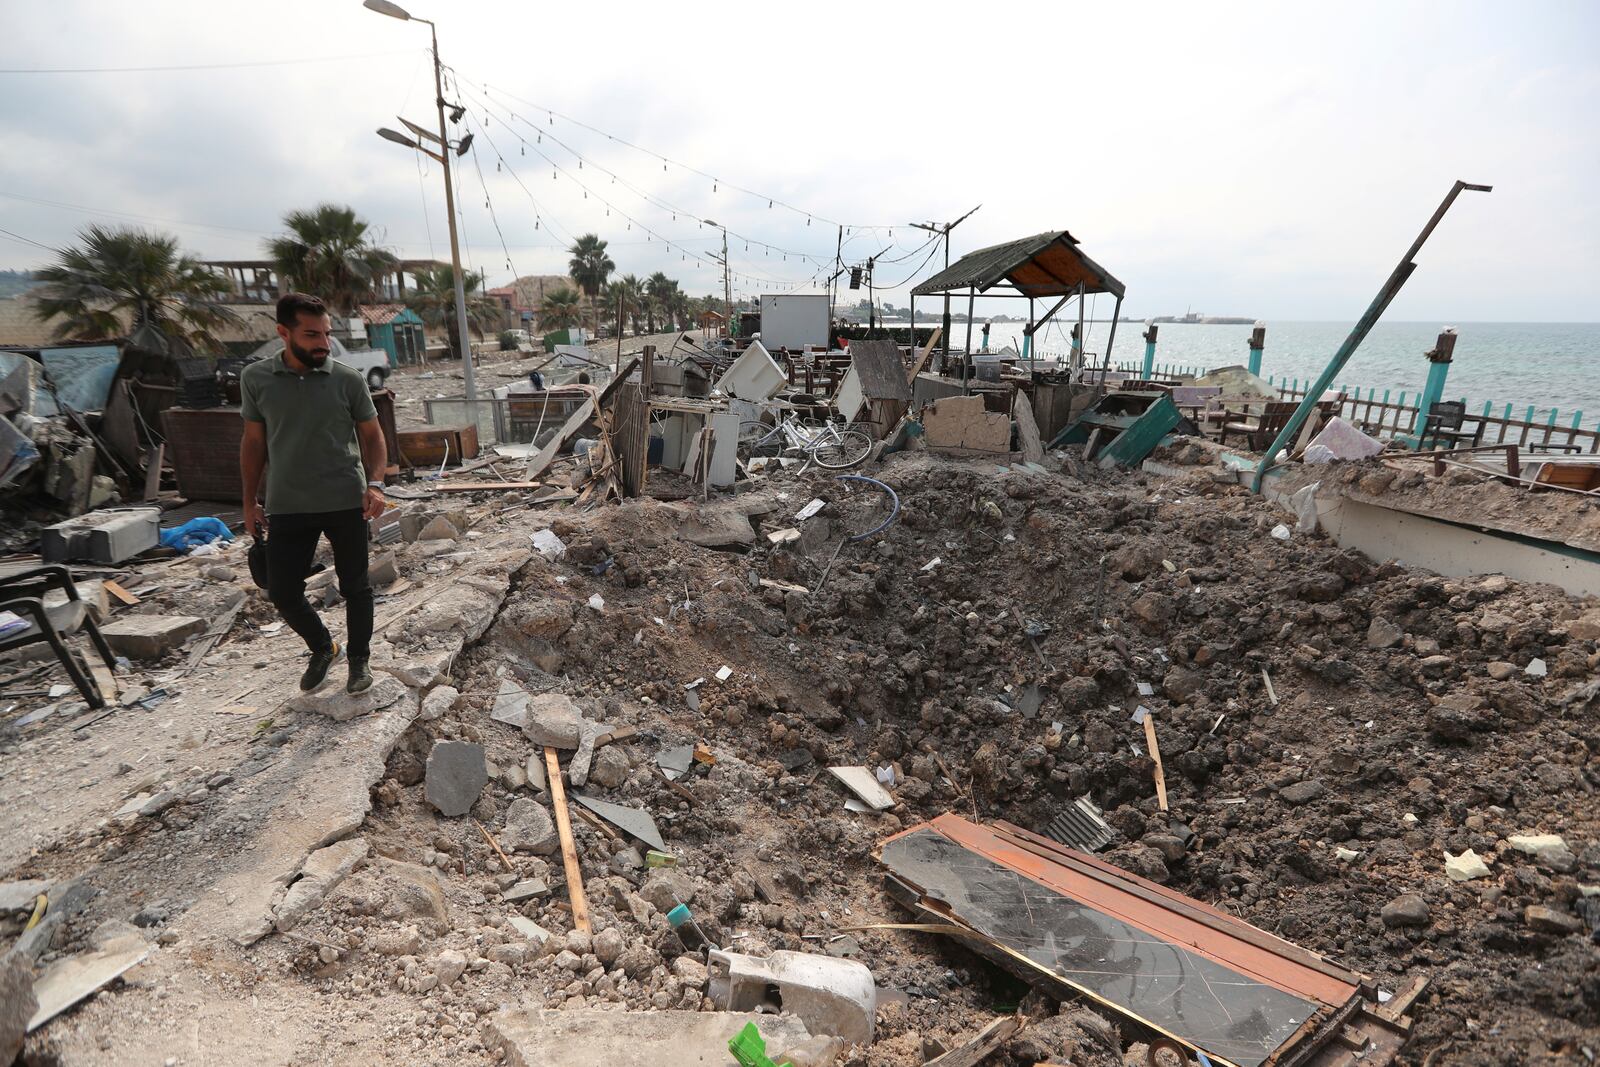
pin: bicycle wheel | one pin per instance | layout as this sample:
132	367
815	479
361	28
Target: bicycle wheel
845	448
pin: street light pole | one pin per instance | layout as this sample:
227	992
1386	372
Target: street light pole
945	229
463	331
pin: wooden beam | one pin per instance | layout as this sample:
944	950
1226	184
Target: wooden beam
1155	754
547	455
983	1043
569	851
120	593
927	350
473	487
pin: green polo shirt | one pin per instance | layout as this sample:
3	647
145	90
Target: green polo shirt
313	454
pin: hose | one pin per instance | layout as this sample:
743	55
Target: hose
894	504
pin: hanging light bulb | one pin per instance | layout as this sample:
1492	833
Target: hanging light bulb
713	187
552	174
497	166
580	162
522	150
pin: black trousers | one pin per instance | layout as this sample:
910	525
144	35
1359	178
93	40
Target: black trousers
291	548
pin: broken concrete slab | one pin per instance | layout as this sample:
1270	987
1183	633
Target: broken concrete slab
635	822
511	704
20	896
1465	867
150	636
340	706
528	828
1548	849
534	1037
553	721
439	528
864	784
17	1004
832	996
526	889
324	869
456	773
536	934
70	980
961	423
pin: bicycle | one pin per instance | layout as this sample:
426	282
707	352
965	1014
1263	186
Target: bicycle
831	445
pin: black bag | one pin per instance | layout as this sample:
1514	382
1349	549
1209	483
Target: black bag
258	562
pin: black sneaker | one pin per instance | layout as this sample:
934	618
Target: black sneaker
360	677
317	669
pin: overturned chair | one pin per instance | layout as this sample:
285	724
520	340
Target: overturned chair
23	594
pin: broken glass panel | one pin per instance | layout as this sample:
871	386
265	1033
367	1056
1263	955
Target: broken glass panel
1189	996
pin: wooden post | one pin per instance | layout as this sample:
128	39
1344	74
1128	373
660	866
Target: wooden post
569	851
619	330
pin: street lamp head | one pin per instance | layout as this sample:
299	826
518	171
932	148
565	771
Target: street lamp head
464	145
384	7
397	137
708	222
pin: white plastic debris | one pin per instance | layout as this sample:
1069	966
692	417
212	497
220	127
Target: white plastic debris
1536	668
1281	532
724	673
548	545
1340	440
810	509
1304	505
1346	855
932	563
1146	689
597	602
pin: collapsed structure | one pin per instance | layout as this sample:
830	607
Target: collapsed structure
1037	738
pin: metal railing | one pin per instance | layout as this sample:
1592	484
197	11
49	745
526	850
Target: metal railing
1379	415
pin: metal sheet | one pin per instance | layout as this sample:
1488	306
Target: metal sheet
1235	997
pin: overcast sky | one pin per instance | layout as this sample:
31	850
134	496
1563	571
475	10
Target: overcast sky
1267	160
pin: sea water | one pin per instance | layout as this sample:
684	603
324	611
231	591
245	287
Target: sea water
1545	365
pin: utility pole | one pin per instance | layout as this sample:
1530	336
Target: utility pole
933	227
727	283
463	330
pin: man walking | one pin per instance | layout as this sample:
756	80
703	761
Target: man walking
309	422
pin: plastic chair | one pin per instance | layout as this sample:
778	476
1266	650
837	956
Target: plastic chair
23	595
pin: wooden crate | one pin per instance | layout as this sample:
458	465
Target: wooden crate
442	444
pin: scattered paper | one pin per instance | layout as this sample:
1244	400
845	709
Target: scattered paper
548	545
810	509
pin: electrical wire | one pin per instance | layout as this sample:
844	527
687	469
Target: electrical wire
205	66
665	160
29	241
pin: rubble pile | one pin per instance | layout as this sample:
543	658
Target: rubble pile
1381	765
1335	733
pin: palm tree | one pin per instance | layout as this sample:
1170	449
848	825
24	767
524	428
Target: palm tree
561	309
658	287
435	301
590	267
328	252
134	282
627	294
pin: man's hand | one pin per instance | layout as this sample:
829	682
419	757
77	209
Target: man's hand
255	519
372	506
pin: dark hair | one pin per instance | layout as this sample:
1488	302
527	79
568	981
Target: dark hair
291	305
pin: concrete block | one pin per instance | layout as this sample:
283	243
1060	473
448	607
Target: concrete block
456	773
107	536
91	593
553	720
150	636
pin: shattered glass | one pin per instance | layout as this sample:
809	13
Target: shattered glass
1204	1003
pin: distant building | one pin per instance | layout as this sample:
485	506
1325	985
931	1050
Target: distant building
397	330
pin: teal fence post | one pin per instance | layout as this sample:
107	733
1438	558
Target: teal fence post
1433	390
1258	341
1149	349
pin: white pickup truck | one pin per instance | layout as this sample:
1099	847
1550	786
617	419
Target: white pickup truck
373	363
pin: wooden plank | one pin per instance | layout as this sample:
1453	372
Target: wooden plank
1027	428
922	358
473	487
120	593
569	851
152	472
569	429
1155	754
981	1045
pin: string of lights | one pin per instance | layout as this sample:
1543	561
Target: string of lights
541	213
540	133
666	162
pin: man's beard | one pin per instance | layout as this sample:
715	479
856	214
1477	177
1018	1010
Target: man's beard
311	357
